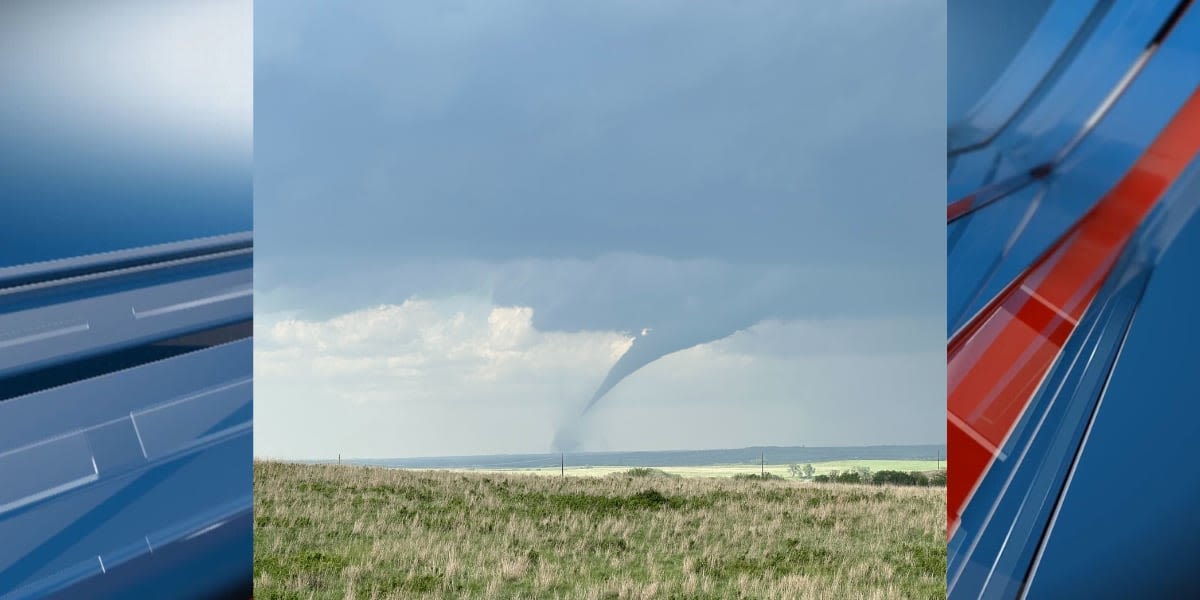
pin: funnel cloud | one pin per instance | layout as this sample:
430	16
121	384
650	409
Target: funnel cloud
663	340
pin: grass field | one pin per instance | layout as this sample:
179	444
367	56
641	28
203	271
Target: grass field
731	470
330	532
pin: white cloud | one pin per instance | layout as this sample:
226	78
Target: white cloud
426	338
462	376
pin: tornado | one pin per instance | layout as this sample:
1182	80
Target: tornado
700	319
647	348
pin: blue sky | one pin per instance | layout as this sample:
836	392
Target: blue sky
467	213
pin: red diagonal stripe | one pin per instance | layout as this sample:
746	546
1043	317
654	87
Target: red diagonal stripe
959	208
997	362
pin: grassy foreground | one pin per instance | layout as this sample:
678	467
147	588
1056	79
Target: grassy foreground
324	531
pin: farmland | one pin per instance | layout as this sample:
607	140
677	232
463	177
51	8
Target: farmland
326	531
823	468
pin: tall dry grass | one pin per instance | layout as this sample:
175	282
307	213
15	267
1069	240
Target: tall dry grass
330	532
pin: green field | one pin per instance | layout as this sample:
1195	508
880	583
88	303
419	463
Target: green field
333	532
731	470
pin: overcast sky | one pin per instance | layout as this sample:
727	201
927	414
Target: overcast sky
468	212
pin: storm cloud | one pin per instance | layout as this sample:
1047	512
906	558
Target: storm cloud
687	169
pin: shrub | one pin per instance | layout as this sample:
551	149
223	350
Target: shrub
848	477
648	498
756	476
644	472
899	478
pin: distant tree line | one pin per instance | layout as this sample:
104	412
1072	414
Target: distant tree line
864	475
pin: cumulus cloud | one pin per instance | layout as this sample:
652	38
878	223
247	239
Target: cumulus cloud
421	338
461	375
679	303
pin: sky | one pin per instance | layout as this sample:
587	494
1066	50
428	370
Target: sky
521	226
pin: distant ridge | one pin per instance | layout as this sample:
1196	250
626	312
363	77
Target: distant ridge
659	458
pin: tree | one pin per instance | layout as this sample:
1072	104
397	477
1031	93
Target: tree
893	478
848	477
900	478
809	470
796	470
